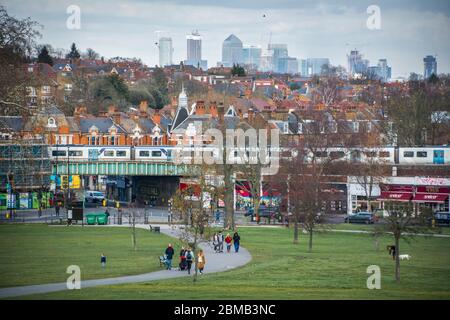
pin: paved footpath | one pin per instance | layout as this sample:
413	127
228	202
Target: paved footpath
215	262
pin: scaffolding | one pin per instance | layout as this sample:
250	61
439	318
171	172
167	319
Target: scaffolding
25	165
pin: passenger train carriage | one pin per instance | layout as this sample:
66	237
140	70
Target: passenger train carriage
389	155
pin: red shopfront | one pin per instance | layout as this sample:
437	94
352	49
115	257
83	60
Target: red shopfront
435	197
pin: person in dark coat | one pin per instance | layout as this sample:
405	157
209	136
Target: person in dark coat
236	241
182	259
169	255
103	260
189	258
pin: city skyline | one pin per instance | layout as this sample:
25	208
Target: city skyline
405	28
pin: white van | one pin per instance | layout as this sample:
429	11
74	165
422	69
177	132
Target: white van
93	196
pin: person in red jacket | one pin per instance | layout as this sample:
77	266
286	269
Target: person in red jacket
228	240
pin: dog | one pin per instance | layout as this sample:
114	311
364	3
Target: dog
404	256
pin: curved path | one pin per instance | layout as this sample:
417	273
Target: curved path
215	262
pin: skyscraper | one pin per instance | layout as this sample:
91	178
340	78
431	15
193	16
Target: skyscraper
303	67
356	64
314	65
194	51
384	71
279	51
429	66
165	51
251	55
287	65
231	51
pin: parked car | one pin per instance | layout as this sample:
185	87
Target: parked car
442	218
361	217
93	196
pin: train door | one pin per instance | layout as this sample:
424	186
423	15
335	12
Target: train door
438	156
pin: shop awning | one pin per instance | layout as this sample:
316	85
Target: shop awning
430	197
395	196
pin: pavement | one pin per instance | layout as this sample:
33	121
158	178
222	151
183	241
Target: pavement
215	262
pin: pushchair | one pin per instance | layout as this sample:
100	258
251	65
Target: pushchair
182	265
163	261
216	246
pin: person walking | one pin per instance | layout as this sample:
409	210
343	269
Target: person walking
215	242
220	241
103	260
236	240
169	255
182	259
201	261
228	240
189	258
57	209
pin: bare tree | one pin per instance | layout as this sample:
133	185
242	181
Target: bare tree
403	221
369	174
17	41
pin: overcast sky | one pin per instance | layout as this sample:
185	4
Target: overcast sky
409	29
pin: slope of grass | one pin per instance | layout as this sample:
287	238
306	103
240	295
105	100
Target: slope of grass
38	254
336	269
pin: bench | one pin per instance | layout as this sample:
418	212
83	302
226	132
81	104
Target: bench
155	229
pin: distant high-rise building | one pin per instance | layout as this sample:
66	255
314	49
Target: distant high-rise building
288	65
266	62
384	71
194	51
279	51
231	51
251	55
165	51
429	66
356	64
314	65
303	66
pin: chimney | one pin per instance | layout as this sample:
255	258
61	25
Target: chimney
200	108
156	117
251	115
220	112
143	106
112	109
213	109
116	117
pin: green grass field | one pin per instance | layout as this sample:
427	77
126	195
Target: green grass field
336	269
38	254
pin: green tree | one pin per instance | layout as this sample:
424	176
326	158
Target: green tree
73	54
44	56
237	70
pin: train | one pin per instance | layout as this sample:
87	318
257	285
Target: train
437	155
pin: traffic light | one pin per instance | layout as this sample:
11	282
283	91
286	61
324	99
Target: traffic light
64	182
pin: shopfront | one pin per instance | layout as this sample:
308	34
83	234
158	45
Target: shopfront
430	192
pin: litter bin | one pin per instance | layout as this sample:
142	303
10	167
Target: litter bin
91	219
102	219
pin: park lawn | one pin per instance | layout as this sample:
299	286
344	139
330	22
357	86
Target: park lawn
336	269
371	227
39	254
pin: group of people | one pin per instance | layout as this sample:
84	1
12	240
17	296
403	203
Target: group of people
186	259
218	240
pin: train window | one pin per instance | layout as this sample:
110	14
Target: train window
121	153
144	153
384	154
408	154
169	153
75	153
371	154
421	154
156	153
321	154
58	153
337	154
109	153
